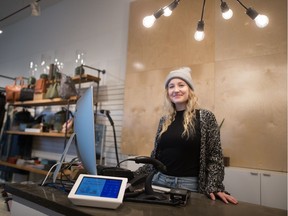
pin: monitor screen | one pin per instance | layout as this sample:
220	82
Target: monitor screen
98	191
84	128
99	187
84	134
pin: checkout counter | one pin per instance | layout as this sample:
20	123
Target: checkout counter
32	199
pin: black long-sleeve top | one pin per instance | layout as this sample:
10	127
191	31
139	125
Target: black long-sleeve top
211	173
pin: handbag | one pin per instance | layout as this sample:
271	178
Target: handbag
67	87
60	118
13	91
26	94
22	119
79	71
68	126
40	86
54	73
52	91
44	76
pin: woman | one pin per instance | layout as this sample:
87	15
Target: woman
188	142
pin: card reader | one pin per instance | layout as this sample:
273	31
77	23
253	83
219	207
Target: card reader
98	191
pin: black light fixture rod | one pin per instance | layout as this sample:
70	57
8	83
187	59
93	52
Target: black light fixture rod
203	6
11	78
17	11
101	71
173	4
7	77
242	4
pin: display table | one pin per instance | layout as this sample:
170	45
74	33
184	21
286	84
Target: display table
38	200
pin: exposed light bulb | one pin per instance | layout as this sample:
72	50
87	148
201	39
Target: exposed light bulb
148	21
1	31
167	12
199	35
228	14
168	9
261	21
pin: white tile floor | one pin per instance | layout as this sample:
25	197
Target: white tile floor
3	207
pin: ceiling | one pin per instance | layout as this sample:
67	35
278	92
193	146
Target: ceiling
8	7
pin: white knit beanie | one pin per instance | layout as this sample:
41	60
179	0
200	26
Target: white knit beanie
183	73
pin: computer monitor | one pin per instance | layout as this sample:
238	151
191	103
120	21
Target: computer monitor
84	128
84	134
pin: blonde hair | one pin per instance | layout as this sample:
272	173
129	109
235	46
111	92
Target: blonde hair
189	114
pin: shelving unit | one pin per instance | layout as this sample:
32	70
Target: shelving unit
24	167
42	134
45	102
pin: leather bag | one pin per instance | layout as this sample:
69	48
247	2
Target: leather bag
13	91
54	73
60	118
79	71
40	86
26	94
67	87
52	91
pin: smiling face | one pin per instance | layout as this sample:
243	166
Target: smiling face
178	92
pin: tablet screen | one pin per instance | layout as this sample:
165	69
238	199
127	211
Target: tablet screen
99	187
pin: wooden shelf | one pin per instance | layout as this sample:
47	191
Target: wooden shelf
86	78
24	167
58	101
46	134
46	102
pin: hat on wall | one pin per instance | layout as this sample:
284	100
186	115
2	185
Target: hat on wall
183	73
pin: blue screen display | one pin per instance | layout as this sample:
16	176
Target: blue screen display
99	187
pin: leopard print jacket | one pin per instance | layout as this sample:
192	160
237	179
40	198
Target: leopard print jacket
211	174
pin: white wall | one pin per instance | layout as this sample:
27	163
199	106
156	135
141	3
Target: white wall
99	28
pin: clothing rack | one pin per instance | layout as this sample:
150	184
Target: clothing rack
11	78
2	89
7	77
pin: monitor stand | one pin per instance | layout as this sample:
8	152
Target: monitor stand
58	167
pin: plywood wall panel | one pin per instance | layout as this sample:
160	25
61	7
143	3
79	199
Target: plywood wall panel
239	71
141	111
240	37
169	42
251	96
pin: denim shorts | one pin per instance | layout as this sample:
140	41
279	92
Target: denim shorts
188	183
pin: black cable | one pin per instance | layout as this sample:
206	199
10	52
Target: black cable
242	4
115	145
203	7
107	113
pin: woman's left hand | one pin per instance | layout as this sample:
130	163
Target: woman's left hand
226	198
